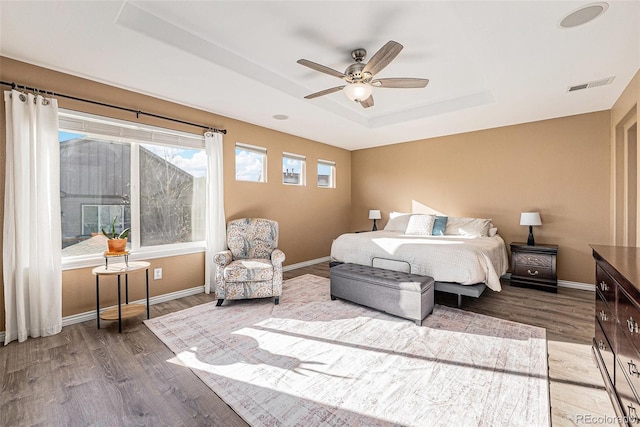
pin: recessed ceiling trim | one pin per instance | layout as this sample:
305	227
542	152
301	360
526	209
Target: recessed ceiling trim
477	99
137	19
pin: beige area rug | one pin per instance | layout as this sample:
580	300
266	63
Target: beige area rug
311	361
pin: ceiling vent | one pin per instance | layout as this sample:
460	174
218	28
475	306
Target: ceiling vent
589	85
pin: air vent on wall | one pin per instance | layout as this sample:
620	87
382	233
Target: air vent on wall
591	84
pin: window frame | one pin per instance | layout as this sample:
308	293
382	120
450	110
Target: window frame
135	134
262	151
303	168
332	175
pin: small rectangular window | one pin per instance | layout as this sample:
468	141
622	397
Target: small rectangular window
251	163
326	174
293	169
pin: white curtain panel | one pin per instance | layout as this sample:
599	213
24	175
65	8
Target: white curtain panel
216	222
32	250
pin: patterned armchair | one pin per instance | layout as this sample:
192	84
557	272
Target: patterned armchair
252	266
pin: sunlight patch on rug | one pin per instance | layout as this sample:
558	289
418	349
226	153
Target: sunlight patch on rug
312	361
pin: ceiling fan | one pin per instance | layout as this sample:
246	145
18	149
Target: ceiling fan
360	76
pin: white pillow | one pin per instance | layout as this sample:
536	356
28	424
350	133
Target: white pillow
493	230
397	214
468	227
397	222
420	225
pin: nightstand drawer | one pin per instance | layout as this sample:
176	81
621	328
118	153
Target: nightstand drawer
533	260
533	272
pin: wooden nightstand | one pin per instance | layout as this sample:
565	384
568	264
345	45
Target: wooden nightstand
534	266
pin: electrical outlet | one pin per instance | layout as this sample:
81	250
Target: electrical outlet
157	273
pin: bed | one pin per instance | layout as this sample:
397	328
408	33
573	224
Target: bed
464	251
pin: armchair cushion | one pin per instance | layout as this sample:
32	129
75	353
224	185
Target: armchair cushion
249	270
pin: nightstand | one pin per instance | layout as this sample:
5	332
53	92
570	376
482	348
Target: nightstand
534	266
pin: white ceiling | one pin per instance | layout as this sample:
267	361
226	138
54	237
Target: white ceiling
490	63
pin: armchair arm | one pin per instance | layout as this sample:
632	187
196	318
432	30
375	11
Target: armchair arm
222	258
277	257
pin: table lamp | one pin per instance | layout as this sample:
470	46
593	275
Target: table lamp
374	214
530	219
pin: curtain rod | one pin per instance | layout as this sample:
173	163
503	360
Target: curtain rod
131	110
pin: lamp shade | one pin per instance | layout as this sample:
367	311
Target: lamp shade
374	214
530	218
358	91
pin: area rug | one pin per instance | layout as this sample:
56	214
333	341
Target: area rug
310	361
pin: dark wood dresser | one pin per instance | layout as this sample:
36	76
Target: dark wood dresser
534	266
616	344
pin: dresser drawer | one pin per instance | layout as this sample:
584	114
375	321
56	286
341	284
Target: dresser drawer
628	398
628	318
629	361
606	317
606	351
606	285
541	261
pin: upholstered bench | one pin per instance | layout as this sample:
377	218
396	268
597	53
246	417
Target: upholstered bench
402	294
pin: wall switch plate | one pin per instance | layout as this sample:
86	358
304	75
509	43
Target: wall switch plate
157	273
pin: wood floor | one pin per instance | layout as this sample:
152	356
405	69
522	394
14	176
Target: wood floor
84	376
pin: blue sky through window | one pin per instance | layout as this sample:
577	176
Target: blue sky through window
249	165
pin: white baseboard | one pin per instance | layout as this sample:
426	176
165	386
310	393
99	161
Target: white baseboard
306	263
565	284
91	315
577	285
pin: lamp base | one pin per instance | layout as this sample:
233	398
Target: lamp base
530	240
375	227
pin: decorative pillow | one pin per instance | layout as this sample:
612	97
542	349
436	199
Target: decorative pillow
420	225
439	226
468	227
397	222
493	230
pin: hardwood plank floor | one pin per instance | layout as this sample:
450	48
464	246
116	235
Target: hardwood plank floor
84	376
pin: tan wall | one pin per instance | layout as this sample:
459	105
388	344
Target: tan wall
558	167
309	217
624	112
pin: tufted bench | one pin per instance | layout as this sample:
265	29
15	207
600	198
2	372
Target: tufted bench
394	292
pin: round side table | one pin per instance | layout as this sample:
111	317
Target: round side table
129	310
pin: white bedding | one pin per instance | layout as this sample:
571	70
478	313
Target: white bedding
457	259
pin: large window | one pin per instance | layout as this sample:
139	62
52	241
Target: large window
326	174
150	180
251	163
293	169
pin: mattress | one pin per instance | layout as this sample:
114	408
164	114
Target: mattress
458	259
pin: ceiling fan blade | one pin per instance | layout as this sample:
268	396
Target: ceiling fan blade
324	92
383	57
320	68
400	82
367	102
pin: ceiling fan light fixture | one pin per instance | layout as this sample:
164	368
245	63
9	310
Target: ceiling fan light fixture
358	92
